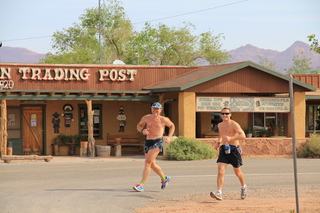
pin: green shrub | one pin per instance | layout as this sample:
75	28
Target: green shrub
184	148
311	148
304	152
314	143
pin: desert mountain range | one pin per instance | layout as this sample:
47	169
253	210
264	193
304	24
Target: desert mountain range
244	53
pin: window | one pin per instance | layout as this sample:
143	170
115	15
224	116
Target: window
97	120
312	118
14	121
215	120
258	121
270	121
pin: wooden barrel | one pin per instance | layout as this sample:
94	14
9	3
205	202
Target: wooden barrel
103	151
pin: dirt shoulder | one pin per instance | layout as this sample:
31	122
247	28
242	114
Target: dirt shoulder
265	200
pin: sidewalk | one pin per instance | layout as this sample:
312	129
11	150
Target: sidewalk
77	159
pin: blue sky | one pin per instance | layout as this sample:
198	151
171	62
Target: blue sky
267	24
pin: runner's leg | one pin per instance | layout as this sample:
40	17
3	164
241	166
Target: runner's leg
221	171
150	163
240	175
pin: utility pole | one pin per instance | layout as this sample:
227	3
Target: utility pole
99	53
294	151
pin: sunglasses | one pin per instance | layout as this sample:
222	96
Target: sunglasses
225	113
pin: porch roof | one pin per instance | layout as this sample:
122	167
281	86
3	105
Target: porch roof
207	73
141	95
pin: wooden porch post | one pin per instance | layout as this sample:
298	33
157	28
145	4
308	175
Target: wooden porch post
3	128
91	141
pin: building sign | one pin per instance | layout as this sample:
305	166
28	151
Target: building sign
243	104
6	84
63	74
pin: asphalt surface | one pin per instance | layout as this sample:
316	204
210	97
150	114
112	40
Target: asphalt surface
76	184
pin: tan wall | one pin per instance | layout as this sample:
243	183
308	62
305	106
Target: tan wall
187	114
57	106
299	116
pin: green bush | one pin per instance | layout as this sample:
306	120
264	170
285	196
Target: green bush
184	148
311	148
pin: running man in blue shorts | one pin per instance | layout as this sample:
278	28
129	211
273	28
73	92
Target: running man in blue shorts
229	132
153	125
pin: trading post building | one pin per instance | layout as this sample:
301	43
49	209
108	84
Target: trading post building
41	101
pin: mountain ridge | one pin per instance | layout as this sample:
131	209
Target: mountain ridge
283	59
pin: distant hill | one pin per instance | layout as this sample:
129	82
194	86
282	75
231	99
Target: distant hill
283	59
19	55
245	53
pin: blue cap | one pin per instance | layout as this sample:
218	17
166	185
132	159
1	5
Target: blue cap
156	105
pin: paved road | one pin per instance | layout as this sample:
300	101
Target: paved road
81	185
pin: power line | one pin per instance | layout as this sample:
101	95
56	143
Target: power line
211	8
27	38
168	17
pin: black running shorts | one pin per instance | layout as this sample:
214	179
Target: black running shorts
234	158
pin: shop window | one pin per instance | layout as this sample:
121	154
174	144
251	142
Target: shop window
269	121
313	118
258	121
97	120
215	120
13	124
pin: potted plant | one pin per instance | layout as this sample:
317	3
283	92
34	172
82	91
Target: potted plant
74	139
84	140
83	145
249	132
255	134
264	132
275	130
60	139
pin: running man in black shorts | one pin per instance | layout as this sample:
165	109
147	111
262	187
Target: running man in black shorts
153	125
230	133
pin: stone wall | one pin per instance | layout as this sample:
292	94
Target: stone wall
264	146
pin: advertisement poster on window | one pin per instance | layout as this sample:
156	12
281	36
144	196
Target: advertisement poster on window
243	104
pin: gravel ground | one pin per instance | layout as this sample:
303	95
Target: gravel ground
262	200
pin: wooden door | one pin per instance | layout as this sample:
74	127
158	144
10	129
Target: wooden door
32	117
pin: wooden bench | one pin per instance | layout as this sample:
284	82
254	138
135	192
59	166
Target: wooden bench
8	158
126	141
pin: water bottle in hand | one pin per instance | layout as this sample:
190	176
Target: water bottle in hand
227	148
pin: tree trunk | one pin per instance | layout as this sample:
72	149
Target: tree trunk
91	150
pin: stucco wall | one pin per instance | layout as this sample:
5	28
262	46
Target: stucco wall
187	115
300	114
264	146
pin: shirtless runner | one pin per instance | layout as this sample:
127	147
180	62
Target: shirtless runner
229	132
152	125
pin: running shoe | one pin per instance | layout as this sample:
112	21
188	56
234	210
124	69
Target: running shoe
244	192
138	188
164	183
217	195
